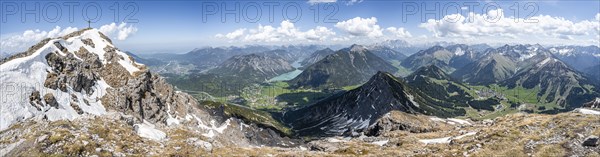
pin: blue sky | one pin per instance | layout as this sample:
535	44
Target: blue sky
178	26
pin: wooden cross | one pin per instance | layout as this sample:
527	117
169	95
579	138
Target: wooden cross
89	24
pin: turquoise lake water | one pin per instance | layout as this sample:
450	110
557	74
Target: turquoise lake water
289	75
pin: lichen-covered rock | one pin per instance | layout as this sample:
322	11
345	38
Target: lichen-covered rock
35	100
396	120
50	100
67	70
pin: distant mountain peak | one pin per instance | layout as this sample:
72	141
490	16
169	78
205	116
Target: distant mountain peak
357	48
334	69
357	109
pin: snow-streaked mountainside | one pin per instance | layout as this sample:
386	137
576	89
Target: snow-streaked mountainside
579	57
24	82
83	74
558	83
357	109
501	63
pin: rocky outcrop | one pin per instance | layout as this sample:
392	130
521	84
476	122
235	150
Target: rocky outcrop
50	100
591	141
593	104
72	72
145	97
395	121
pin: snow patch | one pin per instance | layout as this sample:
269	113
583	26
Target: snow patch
587	111
459	52
381	143
446	139
412	99
459	121
527	56
334	140
148	130
544	62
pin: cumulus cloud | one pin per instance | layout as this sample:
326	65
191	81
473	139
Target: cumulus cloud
233	35
399	32
20	42
286	32
120	32
320	1
361	27
494	23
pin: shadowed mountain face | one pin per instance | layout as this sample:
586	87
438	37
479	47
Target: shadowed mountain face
594	73
349	66
489	69
438	85
387	53
357	109
447	58
501	63
316	56
557	82
253	67
578	57
436	55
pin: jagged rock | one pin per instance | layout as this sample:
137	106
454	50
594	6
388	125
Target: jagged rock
50	100
69	71
325	146
35	100
76	108
88	42
402	121
593	104
591	141
130	120
146	97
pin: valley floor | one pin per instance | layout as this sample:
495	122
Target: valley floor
517	134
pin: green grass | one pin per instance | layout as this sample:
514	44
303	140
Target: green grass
347	88
521	95
474	114
402	71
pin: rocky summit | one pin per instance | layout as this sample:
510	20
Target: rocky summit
79	94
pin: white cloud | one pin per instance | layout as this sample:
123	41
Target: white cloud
320	1
352	2
361	27
20	42
286	32
233	35
399	32
494	23
121	31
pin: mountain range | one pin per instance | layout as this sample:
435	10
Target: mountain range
347	67
253	67
357	109
83	81
80	95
